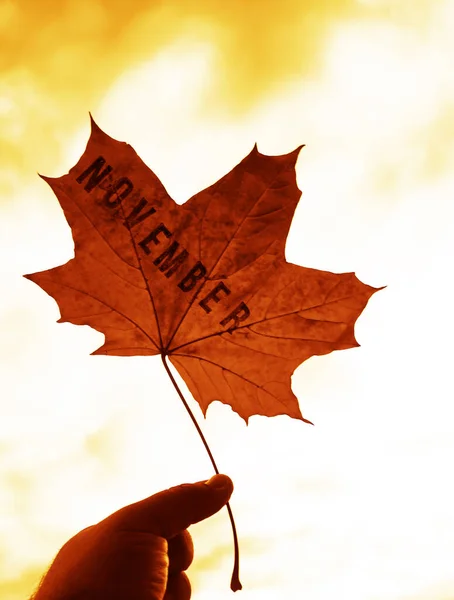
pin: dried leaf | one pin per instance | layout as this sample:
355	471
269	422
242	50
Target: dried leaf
205	283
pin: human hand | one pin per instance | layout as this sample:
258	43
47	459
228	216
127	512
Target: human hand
139	552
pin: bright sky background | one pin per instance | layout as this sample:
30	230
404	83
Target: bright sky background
359	507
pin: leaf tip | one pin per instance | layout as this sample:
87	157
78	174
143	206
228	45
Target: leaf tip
99	351
33	277
95	129
97	132
300	416
48	180
293	156
255	149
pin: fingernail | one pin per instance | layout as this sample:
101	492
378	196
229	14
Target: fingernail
219	482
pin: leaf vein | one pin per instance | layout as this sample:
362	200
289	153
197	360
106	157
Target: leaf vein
208	277
235	374
210	335
108	306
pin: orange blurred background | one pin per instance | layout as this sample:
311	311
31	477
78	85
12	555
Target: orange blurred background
357	507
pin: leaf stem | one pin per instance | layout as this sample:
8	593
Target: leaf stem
235	583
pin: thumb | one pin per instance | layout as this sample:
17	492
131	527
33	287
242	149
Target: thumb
171	511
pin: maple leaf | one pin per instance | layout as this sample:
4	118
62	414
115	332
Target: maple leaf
205	283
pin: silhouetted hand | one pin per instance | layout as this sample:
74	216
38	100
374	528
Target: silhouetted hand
139	552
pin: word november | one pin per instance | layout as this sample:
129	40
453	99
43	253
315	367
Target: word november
168	262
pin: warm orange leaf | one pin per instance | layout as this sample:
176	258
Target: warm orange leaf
205	283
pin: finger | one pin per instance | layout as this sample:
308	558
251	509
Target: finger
180	551
171	511
178	587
